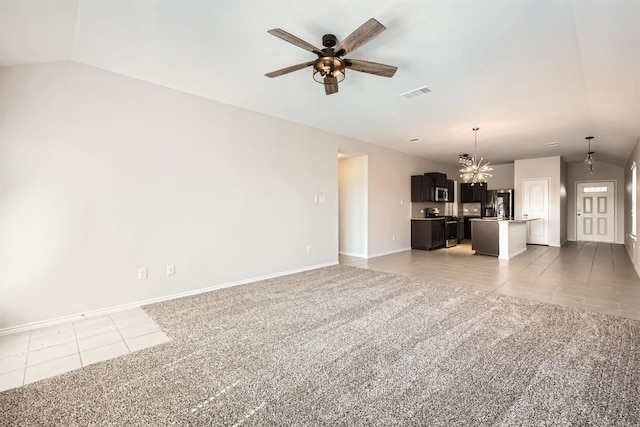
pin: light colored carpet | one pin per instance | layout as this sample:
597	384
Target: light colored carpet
348	346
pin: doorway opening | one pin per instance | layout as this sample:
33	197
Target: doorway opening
353	203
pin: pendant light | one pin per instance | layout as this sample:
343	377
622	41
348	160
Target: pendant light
474	171
589	161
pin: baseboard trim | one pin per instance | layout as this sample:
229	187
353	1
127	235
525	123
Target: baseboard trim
636	267
113	309
389	252
352	254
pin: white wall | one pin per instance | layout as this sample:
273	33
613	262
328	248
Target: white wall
353	205
632	245
576	172
502	177
564	202
545	167
101	174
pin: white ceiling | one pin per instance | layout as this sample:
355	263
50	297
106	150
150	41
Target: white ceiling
525	72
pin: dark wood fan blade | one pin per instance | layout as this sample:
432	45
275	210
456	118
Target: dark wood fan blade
330	85
360	36
289	69
371	67
294	40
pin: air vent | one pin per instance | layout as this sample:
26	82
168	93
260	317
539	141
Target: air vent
552	144
414	140
416	92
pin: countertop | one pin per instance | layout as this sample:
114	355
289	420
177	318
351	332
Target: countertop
428	219
505	220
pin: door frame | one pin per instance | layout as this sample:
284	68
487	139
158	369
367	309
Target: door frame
348	211
615	207
548	180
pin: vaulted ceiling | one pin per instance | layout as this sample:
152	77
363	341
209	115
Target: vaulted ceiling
527	73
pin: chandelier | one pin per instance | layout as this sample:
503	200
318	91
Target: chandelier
472	171
589	161
465	159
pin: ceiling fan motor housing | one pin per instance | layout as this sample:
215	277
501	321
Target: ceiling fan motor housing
329	40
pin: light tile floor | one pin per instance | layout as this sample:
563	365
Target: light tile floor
34	355
589	276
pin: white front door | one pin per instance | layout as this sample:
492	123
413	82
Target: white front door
595	211
535	204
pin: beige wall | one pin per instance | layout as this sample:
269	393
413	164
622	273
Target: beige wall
563	202
576	172
632	245
101	174
353	214
545	167
502	177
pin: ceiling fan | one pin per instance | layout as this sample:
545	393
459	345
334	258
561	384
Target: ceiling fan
329	68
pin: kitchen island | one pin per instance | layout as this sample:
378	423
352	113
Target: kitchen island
504	238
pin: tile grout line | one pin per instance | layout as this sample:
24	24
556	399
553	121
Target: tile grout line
120	333
26	360
75	334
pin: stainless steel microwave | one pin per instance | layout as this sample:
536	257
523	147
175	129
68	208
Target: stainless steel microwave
442	194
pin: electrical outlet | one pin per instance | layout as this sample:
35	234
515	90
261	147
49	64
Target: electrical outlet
171	269
393	237
308	249
322	199
142	273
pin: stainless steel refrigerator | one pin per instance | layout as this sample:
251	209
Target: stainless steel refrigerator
500	203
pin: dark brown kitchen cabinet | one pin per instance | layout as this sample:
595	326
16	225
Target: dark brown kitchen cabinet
460	230
466	193
467	228
422	188
439	179
450	187
427	234
473	193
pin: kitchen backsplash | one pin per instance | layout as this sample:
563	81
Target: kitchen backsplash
470	209
446	209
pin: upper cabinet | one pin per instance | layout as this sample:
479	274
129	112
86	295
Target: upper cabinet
450	187
473	193
422	188
439	179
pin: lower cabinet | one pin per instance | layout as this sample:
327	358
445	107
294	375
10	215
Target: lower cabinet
427	234
467	228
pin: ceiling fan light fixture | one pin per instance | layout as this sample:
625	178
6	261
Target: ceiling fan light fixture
328	66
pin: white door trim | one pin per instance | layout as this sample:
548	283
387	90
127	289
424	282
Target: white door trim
614	204
544	240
